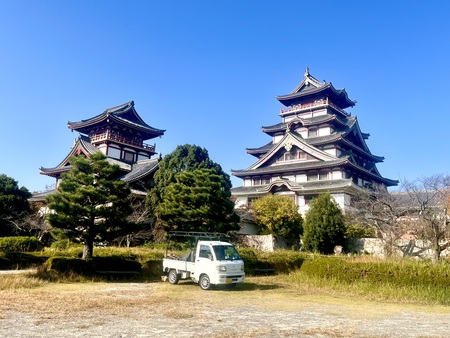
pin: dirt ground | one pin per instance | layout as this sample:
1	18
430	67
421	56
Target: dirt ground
262	309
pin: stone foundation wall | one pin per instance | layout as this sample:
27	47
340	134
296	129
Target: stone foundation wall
402	247
263	242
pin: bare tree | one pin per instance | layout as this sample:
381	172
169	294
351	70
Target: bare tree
428	213
140	224
375	207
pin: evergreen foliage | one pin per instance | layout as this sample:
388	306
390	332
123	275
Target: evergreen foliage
197	200
13	205
324	226
20	244
279	216
192	192
91	204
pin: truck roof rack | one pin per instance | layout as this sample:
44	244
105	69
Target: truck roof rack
197	235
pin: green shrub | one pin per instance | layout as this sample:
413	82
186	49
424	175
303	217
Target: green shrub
20	244
65	265
5	264
359	231
115	263
397	273
324	226
80	266
153	267
280	261
284	261
63	244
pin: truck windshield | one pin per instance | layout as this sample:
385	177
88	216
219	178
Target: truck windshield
226	253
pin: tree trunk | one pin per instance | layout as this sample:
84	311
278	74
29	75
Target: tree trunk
88	250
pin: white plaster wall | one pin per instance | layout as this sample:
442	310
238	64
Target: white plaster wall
336	175
324	131
303	133
277	138
290	177
303	210
301	178
241	201
319	112
102	148
340	200
289	118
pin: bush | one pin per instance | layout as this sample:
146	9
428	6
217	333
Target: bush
397	273
324	226
63	244
115	263
153	267
103	264
280	261
5	264
20	244
359	231
65	265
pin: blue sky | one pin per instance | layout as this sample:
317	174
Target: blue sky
208	73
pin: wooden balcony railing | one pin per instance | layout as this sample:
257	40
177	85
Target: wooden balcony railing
113	137
302	106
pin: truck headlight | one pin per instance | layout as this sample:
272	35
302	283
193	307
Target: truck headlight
242	267
221	268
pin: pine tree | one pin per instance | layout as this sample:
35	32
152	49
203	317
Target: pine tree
91	203
13	205
192	192
197	201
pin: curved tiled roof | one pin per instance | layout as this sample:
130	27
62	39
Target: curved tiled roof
124	114
290	167
304	187
308	121
141	169
310	87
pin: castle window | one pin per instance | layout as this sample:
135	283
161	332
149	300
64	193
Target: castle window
309	198
257	181
265	180
302	155
128	156
250	200
312	177
312	132
323	176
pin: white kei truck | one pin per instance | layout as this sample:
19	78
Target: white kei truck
212	261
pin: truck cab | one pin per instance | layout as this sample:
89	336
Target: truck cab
212	262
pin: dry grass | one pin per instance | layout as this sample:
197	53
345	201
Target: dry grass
335	332
273	298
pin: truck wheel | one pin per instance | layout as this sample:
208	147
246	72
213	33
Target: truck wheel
173	277
204	282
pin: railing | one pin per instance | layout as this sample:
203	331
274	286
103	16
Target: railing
321	102
109	136
301	106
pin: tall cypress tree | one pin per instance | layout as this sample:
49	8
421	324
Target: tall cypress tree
324	226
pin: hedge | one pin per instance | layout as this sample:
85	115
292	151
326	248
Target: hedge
20	244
